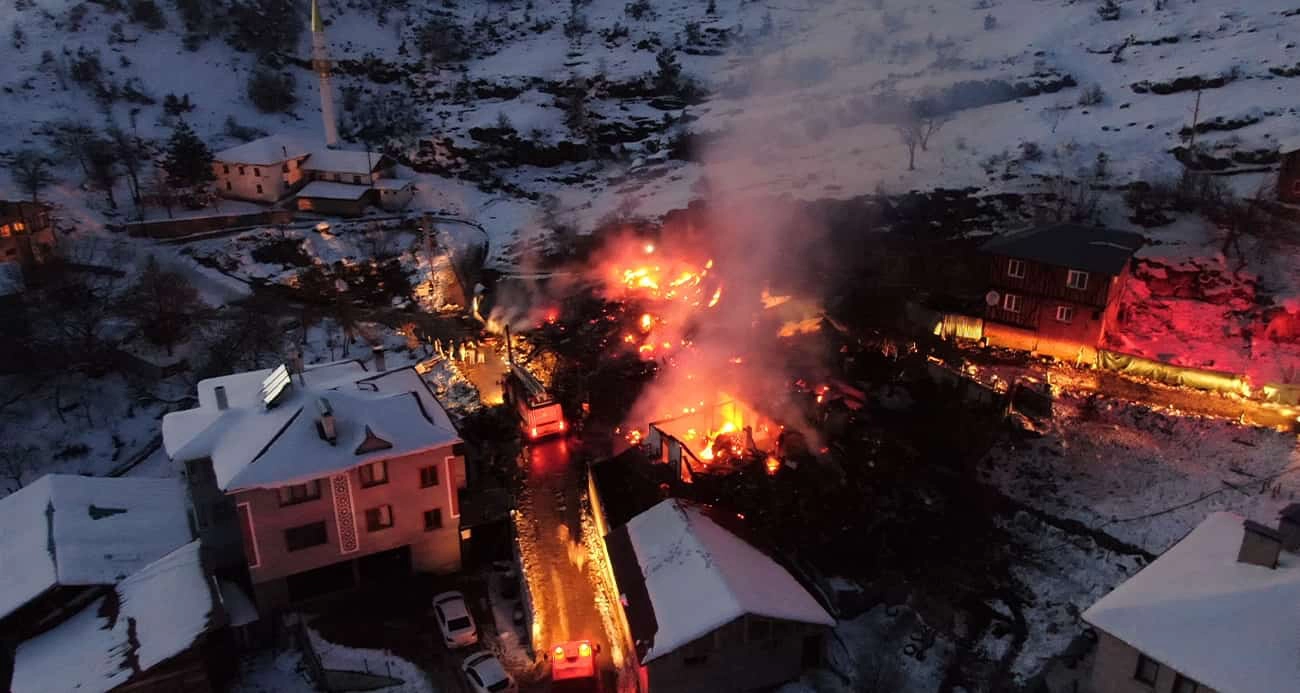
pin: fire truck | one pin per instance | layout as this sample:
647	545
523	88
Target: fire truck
539	414
573	667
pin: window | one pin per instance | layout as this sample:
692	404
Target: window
299	493
225	168
1182	684
11	252
259	188
429	476
20	226
285	167
1012	303
356	180
1076	279
432	519
242	171
257	172
228	186
374	474
5	231
306	536
1064	314
379	518
1147	670
1016	269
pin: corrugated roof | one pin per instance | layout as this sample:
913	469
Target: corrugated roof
326	190
1074	246
344	161
1228	625
271	150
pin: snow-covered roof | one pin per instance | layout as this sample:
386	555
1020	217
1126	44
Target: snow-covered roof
264	151
344	161
152	616
1228	625
326	190
394	183
1070	245
1289	144
698	577
65	529
238	607
251	445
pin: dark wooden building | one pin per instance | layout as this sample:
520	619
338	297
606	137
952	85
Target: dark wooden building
26	234
1288	176
1058	287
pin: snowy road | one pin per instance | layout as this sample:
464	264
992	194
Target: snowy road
551	539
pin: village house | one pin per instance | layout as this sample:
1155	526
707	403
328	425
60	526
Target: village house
264	170
26	234
1216	612
705	610
1056	289
315	481
160	629
65	539
1288	175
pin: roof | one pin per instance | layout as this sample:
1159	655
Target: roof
344	161
152	616
238	607
699	577
629	484
1289	144
264	151
1074	246
74	530
394	183
251	445
325	190
1228	625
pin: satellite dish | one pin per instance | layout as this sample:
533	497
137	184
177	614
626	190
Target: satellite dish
992	297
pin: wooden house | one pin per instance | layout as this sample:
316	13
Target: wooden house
1056	287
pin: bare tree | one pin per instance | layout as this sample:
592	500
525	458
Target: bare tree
132	153
909	131
160	190
16	462
917	122
162	305
31	171
102	158
71	140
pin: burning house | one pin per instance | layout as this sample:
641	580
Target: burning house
717	437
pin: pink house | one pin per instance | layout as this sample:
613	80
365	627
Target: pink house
315	482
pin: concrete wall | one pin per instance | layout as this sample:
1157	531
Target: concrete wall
395	200
338	208
343	497
733	661
240	181
1115	665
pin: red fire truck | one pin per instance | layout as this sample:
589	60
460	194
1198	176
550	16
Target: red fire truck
539	414
573	667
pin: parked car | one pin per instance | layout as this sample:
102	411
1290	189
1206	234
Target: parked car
454	620
486	675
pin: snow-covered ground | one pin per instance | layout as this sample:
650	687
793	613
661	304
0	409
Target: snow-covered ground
378	662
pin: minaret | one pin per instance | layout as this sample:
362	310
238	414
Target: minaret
320	60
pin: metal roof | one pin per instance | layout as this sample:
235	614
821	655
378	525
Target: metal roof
1075	246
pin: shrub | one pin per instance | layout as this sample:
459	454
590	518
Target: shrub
1030	151
1091	95
272	92
639	9
147	13
990	22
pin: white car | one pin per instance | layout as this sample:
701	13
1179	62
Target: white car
486	675
454	621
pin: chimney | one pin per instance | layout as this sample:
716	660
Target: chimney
222	403
377	358
325	425
1260	545
1288	526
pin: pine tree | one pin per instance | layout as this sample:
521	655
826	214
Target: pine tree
188	161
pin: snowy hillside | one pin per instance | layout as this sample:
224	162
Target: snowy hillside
794	96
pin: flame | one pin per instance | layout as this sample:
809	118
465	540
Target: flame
647	322
717	296
770	301
797	327
772	465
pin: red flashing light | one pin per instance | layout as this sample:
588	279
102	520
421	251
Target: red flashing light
533	432
562	425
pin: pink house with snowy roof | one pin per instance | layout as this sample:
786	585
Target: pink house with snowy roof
315	482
